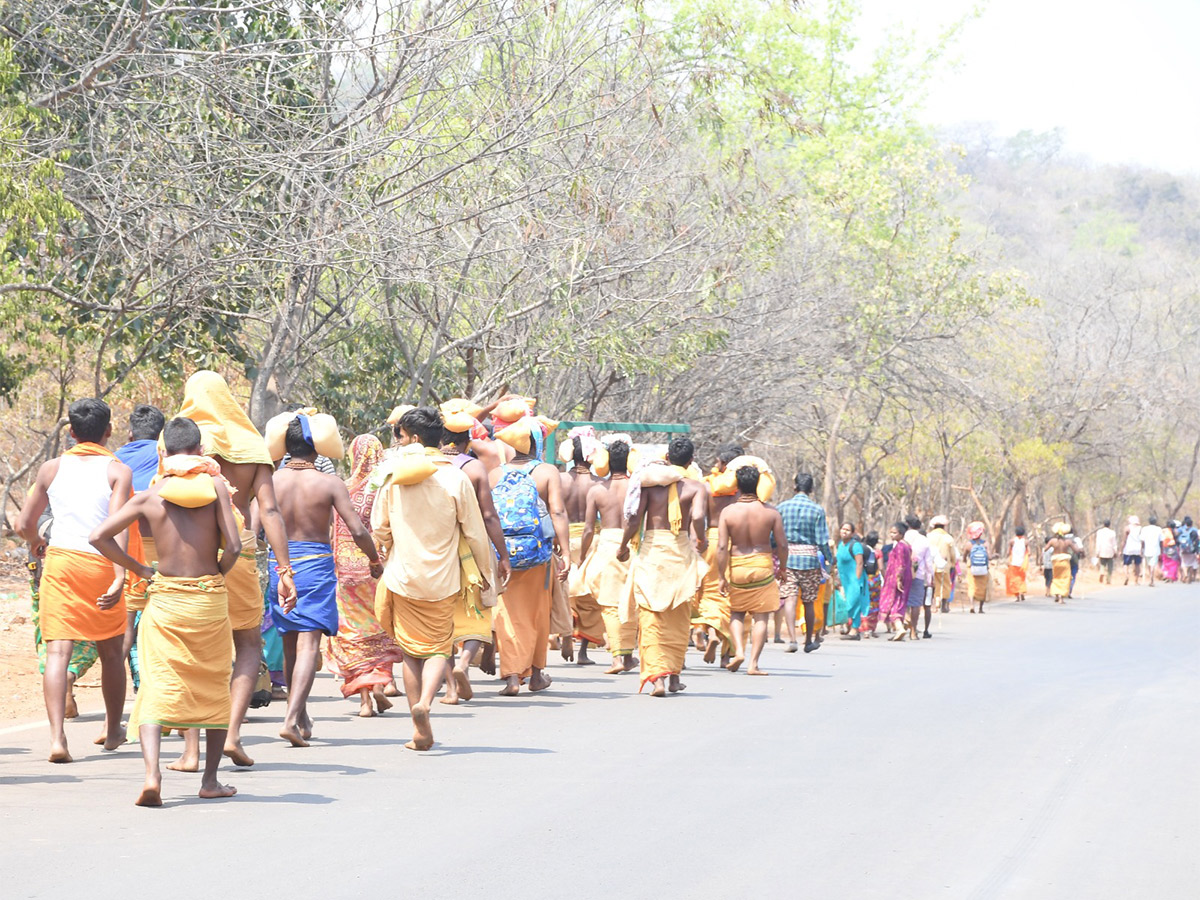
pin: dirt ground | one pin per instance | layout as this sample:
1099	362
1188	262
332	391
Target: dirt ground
21	686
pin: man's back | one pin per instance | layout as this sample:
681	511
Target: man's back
609	500
188	539
749	526
243	477
575	486
658	503
306	498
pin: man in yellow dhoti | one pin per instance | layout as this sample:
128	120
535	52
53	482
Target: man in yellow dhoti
228	436
577	481
425	516
712	612
745	534
185	635
1060	548
601	574
473	614
667	570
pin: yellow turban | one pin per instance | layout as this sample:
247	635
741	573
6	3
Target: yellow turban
458	422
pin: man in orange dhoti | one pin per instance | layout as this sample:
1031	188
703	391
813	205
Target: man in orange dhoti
667	570
601	574
81	591
746	531
184	636
425	517
576	483
522	618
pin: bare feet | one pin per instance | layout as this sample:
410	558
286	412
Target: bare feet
113	741
615	669
184	764
59	754
365	710
292	735
631	663
278	692
676	685
539	681
755	670
710	652
100	739
660	689
233	749
151	795
382	703
216	791
305	728
584	660
422	731
463	684
511	689
72	709
390	689
735	663
568	649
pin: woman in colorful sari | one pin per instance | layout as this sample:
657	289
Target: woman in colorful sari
361	653
897	580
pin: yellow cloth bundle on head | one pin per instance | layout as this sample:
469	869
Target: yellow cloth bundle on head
225	429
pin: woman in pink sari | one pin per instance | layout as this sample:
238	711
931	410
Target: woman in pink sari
361	653
897	579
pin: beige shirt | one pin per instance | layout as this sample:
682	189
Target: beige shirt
418	526
943	545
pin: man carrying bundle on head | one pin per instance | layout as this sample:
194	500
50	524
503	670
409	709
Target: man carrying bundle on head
81	592
473	612
527	494
667	570
747	565
428	523
712	615
580	450
601	574
229	437
184	635
308	500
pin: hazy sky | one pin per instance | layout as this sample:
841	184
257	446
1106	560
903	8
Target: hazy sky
1121	78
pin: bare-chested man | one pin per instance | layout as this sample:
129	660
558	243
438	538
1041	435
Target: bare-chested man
184	634
747	565
711	621
308	500
577	481
229	437
522	617
473	624
603	575
668	568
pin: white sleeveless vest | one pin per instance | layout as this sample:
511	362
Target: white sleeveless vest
79	496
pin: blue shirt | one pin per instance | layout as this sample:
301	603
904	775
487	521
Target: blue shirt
142	458
804	523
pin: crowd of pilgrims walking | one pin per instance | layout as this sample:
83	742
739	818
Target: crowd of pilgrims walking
458	547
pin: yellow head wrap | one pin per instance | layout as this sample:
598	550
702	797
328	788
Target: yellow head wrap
225	429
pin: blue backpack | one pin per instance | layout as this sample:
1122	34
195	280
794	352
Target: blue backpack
519	507
978	558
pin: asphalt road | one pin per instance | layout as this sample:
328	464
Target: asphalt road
1036	751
